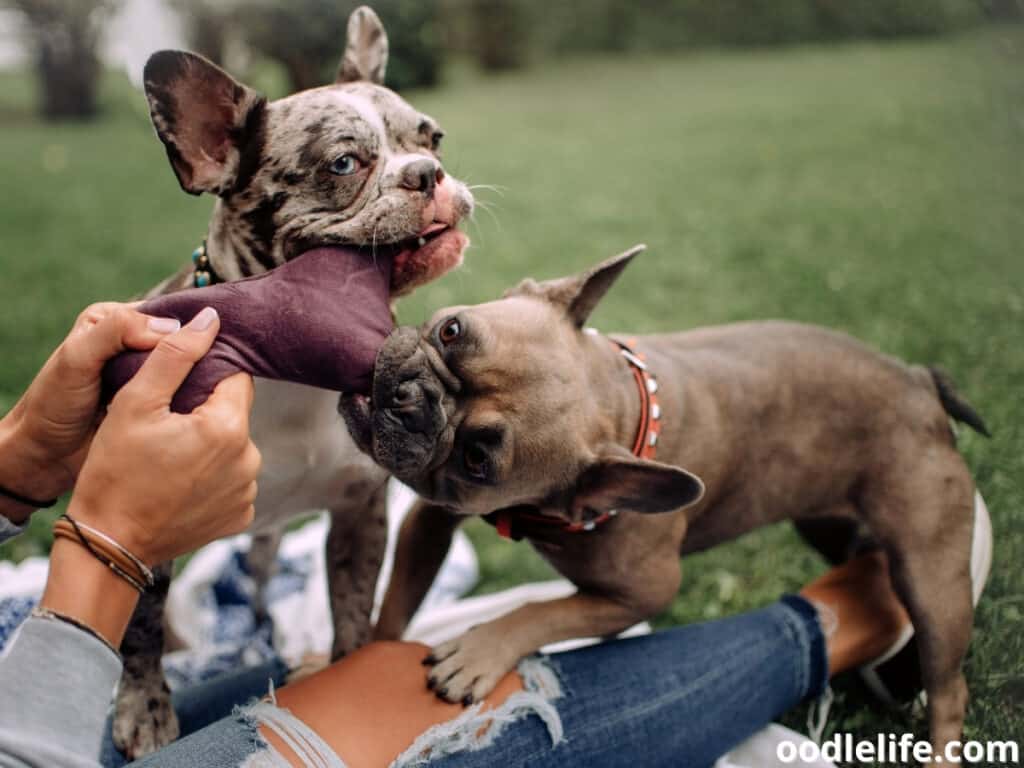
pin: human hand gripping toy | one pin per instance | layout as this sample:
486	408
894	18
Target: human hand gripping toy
318	319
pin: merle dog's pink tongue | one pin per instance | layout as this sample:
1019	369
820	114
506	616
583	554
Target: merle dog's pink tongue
319	320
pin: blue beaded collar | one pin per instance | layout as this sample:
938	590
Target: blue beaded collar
203	273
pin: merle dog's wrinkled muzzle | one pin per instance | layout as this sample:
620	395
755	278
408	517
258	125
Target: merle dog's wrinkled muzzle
405	428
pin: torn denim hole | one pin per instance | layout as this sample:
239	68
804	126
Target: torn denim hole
310	749
473	729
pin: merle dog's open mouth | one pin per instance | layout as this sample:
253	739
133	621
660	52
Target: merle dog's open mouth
434	251
417	260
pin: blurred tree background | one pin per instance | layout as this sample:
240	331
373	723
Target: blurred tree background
64	37
304	38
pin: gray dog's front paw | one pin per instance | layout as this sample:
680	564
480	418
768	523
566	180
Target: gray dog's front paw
144	720
467	668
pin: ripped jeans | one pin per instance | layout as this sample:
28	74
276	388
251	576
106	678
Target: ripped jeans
678	697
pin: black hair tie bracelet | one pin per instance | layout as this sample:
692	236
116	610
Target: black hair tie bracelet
34	503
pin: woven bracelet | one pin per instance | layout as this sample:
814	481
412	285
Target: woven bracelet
106	550
69	534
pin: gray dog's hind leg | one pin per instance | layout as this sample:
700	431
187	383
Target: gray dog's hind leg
261	560
925	526
355	551
144	720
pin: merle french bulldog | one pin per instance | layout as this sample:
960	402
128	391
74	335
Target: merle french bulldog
350	163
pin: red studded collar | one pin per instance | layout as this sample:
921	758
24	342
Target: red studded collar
509	522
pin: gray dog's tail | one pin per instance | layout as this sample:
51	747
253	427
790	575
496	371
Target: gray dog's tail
954	403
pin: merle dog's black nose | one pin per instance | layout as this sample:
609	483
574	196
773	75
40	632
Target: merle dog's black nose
422	175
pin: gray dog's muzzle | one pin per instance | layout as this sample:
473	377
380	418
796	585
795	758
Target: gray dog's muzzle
406	424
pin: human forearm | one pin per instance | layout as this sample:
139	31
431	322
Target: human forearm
82	588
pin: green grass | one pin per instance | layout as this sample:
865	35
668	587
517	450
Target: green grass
874	188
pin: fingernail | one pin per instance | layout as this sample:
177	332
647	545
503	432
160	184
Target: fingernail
164	324
203	320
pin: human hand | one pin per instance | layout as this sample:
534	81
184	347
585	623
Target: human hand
46	435
160	483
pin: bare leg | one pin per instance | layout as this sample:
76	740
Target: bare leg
860	613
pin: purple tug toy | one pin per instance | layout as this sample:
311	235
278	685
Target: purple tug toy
318	320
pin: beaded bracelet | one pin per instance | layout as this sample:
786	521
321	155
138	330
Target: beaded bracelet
107	551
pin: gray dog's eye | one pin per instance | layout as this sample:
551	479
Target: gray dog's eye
450	331
345	165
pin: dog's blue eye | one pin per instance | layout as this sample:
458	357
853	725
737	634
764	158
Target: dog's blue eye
345	165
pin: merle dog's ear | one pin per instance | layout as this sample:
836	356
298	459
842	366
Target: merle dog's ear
366	49
618	480
580	294
204	117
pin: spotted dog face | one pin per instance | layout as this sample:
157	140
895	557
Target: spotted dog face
350	163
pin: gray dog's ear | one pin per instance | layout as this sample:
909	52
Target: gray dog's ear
616	481
366	49
580	294
204	117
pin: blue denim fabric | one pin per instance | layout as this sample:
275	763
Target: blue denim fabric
204	705
678	697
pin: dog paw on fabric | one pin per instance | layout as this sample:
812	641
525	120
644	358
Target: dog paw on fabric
144	720
466	669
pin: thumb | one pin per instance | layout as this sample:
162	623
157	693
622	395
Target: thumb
172	360
105	329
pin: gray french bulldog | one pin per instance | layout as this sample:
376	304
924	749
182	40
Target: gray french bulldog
512	410
350	163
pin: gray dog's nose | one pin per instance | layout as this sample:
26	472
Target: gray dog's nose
422	175
406	393
413	403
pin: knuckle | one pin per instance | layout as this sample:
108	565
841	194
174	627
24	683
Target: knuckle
255	460
233	430
99	311
210	433
172	347
244	519
91	313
